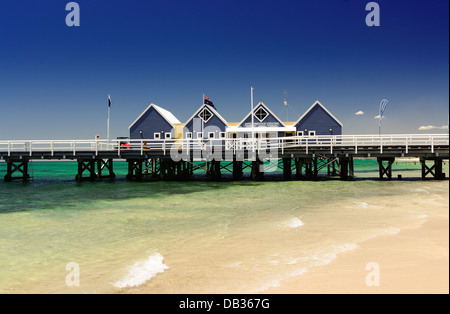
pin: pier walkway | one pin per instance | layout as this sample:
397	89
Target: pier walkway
178	158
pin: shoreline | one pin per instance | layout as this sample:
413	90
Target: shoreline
414	261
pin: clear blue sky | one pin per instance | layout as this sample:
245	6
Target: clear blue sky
55	79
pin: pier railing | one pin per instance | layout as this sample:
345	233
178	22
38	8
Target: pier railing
164	146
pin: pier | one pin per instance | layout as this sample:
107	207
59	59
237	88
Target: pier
299	157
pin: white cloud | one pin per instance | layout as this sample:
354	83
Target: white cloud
432	127
359	113
378	117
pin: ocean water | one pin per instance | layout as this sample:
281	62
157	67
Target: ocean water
196	236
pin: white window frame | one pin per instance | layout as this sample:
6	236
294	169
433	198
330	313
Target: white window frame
311	133
211	137
222	135
157	136
189	135
199	135
168	136
300	133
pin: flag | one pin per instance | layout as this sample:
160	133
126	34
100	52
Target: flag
109	101
383	104
208	102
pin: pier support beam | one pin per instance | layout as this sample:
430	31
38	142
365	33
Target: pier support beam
102	166
287	168
332	168
385	170
346	168
214	170
257	173
135	169
237	169
435	170
307	166
88	166
17	166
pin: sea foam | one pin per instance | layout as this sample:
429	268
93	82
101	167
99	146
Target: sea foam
294	223
142	271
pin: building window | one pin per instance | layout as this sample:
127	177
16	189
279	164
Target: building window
199	134
157	136
168	136
189	135
223	135
299	133
261	114
211	135
205	115
312	133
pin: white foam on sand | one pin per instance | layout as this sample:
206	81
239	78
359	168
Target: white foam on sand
391	230
294	223
142	271
421	191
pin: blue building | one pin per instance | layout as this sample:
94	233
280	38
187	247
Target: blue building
154	123
264	122
317	120
205	123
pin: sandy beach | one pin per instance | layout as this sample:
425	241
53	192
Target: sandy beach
414	261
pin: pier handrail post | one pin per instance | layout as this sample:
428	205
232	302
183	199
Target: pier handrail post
52	146
432	144
9	148
74	145
381	145
142	147
31	148
307	149
406	144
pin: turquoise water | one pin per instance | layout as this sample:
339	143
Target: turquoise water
197	236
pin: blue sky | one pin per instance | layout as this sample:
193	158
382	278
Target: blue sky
55	79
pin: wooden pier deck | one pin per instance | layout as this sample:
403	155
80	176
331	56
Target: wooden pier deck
173	158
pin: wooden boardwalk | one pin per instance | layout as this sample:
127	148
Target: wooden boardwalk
174	158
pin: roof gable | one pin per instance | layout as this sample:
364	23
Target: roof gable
317	103
256	120
167	115
210	108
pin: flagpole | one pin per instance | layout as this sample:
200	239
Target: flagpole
253	121
107	127
203	126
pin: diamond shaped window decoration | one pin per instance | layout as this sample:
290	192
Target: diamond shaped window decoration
261	114
205	115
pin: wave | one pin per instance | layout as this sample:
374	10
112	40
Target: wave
294	223
142	271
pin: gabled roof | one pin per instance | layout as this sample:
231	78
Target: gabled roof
261	104
310	108
167	115
214	111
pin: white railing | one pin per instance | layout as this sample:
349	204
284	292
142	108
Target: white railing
375	142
